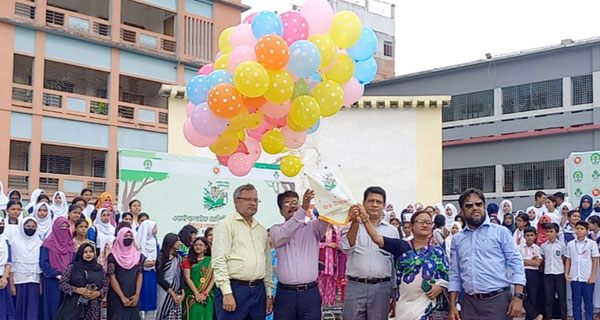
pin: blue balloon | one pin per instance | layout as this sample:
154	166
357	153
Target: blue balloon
365	47
219	76
316	78
265	23
197	89
365	71
304	58
313	128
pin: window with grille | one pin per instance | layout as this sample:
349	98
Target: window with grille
581	89
19	155
22	69
532	96
73	161
534	176
469	106
388	49
55	164
141	91
74	79
455	181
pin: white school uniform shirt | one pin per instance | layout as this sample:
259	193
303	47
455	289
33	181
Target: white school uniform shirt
519	237
552	252
529	253
581	254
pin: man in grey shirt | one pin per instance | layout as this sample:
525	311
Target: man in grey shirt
369	270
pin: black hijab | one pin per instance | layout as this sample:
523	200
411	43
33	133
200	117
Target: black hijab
86	272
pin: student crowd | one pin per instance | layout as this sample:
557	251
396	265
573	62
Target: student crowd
81	260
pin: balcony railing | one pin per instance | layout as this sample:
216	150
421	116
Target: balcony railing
18	180
198	38
56	17
143	116
148	39
22	95
69	184
25	9
71	103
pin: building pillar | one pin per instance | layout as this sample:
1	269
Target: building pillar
113	117
497	102
115	20
499	180
7	31
40	12
567	89
35	148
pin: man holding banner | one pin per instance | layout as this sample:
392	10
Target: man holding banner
369	270
242	262
297	245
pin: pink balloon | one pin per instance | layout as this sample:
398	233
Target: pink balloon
207	123
258	132
276	122
293	139
239	55
189	109
242	36
273	110
240	149
319	15
253	147
206	69
250	18
194	137
353	90
240	164
295	27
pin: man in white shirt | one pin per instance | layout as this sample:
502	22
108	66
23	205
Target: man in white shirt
369	269
553	252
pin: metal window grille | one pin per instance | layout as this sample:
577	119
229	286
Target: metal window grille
24	10
73	161
19	155
582	91
22	69
532	96
140	91
469	106
534	176
18	182
455	181
198	38
56	18
388	49
68	78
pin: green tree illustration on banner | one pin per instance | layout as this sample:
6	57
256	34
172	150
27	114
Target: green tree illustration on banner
131	178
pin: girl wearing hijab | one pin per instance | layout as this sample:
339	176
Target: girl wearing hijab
450	214
187	234
59	206
509	222
15	195
25	272
105	202
103	234
14	212
125	267
43	217
170	279
585	207
3	198
563	210
84	285
504	208
533	217
198	275
33	199
492	209
55	255
148	245
7	311
454	229
541	230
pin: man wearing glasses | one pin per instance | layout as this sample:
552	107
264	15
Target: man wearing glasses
297	244
242	262
369	270
482	257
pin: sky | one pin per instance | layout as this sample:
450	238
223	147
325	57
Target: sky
438	33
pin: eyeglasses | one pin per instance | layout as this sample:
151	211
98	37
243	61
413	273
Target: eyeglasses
470	205
249	199
290	203
424	222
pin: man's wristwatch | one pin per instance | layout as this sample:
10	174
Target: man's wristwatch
520	295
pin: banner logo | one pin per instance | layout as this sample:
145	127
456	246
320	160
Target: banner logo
216	195
147	164
578	176
329	181
595	158
577	160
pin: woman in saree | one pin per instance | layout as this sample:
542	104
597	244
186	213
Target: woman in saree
169	276
198	274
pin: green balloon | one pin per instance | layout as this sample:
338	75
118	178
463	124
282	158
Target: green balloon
300	88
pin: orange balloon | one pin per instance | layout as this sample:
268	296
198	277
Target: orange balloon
225	101
272	52
254	103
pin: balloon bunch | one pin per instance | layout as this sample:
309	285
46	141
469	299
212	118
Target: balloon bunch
273	79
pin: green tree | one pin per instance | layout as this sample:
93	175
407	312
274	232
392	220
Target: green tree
139	179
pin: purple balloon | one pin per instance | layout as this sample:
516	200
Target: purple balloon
206	123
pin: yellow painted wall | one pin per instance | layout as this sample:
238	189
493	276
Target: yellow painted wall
177	144
429	155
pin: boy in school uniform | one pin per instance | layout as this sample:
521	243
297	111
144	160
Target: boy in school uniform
580	270
553	252
532	259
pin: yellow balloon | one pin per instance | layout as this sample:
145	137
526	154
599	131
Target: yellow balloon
291	165
305	112
226	143
272	141
251	79
343	69
281	86
224	44
241	135
292	125
222	62
345	29
326	48
246	120
330	96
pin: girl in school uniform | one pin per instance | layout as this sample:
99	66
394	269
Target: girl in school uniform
14	212
7	311
148	246
103	234
59	205
43	217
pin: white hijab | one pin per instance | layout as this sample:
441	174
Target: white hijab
33	198
3	198
448	241
561	207
450	219
501	209
533	222
146	241
25	250
440	207
59	210
44	225
105	232
3	248
17	191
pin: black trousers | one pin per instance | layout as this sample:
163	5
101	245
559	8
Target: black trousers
555	285
531	288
